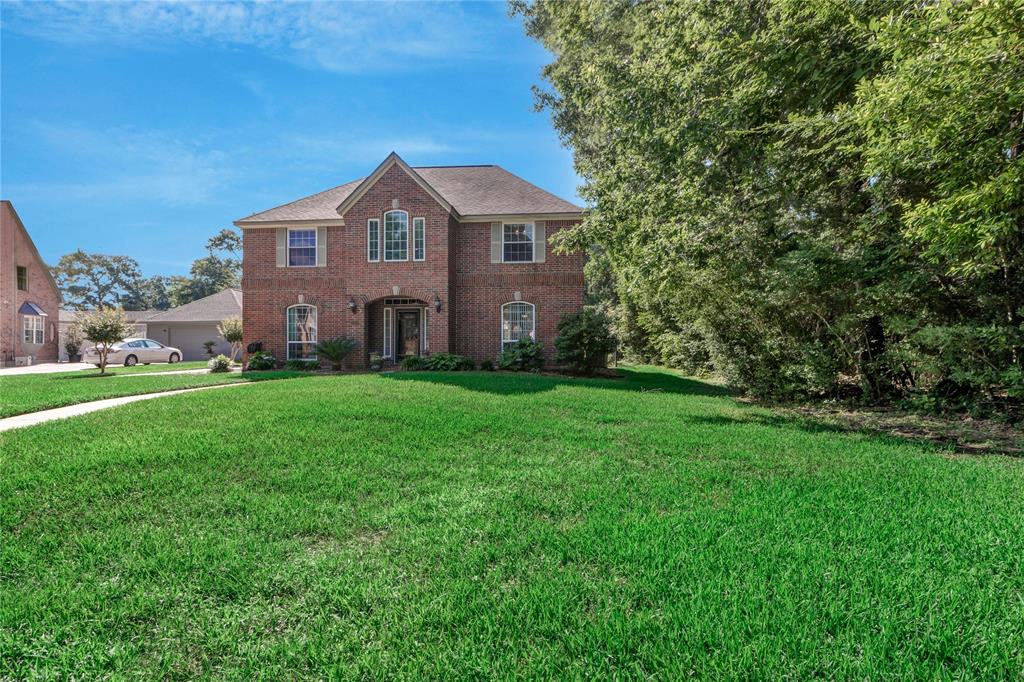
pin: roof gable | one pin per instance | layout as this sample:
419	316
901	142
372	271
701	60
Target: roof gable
393	159
16	220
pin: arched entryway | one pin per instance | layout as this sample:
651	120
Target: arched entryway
398	326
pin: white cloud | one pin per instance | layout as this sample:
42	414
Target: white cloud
342	37
126	164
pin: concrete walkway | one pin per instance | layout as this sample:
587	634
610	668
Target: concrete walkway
33	418
45	368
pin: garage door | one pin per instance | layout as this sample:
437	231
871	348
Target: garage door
190	339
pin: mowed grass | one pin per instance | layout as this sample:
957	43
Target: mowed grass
493	525
155	367
33	392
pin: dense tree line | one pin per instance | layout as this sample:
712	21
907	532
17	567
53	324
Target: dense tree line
810	197
92	280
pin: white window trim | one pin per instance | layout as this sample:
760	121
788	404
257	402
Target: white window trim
288	246
533	242
369	242
501	323
37	327
422	223
287	324
388	350
384	235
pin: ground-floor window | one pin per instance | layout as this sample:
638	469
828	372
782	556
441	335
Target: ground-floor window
518	321
33	329
302	332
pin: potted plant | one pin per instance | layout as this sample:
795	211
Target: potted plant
376	362
73	344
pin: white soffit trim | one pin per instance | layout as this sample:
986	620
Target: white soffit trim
294	224
518	217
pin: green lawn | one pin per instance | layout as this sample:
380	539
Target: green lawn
32	392
493	525
156	367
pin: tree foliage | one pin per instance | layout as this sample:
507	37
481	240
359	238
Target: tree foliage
105	327
807	197
91	280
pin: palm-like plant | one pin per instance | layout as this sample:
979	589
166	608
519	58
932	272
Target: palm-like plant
336	350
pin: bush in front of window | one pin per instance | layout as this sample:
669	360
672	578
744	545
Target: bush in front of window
525	355
584	341
303	365
336	350
221	363
448	362
261	361
413	362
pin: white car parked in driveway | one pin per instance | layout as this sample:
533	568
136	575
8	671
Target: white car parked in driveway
133	351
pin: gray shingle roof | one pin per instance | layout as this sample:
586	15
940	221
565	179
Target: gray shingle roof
130	315
471	190
214	308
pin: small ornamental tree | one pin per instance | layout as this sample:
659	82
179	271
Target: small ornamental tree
231	331
105	327
584	341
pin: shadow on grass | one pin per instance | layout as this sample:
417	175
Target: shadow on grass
512	383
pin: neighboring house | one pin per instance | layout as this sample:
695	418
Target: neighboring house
29	298
411	261
69	317
189	326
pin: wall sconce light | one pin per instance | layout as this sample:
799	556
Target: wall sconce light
437	303
352	303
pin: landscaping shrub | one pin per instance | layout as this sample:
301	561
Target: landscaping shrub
525	355
487	365
221	363
303	365
448	362
584	341
336	350
261	361
413	362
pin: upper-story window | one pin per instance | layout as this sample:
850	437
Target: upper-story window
33	329
419	239
301	248
396	235
517	243
373	240
22	278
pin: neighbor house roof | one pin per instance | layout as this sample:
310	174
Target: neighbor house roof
472	191
131	315
214	308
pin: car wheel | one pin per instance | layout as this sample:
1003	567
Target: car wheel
174	358
130	361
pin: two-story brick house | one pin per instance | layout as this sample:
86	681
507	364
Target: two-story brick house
411	261
29	297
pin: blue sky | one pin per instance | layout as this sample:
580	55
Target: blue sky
144	128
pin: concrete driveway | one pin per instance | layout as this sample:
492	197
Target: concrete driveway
45	368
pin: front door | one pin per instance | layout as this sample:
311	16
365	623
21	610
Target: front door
408	332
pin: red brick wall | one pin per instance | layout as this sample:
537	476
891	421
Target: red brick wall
470	299
554	287
269	290
16	249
